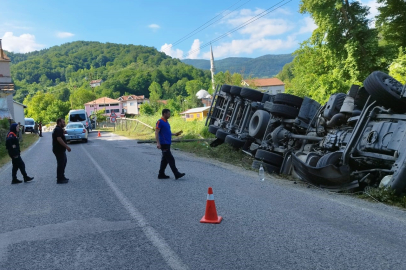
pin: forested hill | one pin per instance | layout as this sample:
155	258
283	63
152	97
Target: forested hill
265	66
124	68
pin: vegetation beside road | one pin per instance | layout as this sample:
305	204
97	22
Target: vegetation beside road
28	140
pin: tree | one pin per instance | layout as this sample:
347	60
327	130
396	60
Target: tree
155	92
81	96
192	87
398	67
37	106
57	109
147	109
100	116
391	21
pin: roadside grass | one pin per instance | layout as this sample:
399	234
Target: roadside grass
28	140
385	196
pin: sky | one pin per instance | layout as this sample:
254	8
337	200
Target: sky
181	28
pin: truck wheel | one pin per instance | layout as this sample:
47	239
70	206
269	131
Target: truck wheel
235	90
258	124
221	134
213	129
288	99
267	167
234	141
269	157
226	88
284	111
385	90
251	94
330	159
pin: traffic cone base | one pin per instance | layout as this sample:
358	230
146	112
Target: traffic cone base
204	220
98	134
210	215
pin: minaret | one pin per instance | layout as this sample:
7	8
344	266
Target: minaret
212	69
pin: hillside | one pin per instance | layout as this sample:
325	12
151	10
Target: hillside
264	66
124	68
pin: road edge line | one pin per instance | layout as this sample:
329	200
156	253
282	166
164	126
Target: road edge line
169	256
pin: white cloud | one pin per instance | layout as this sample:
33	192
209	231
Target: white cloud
22	44
248	46
194	50
154	26
167	48
64	34
373	8
308	26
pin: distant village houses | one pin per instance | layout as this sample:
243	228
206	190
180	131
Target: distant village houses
124	105
95	83
270	85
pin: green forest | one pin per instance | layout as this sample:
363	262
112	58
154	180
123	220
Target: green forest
347	46
53	81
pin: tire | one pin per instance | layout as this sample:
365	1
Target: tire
221	134
269	157
213	129
385	90
234	141
267	167
288	99
251	94
284	111
85	140
330	159
226	88
235	90
258	124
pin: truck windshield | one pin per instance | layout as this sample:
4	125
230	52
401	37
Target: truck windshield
77	117
29	122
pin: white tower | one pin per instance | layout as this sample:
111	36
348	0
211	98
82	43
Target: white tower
212	69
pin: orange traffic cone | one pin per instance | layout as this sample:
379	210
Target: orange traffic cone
211	213
98	134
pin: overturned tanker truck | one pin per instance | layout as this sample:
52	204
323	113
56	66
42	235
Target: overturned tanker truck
355	140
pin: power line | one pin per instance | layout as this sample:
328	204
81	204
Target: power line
253	19
201	28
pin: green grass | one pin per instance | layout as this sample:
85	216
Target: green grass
28	140
386	196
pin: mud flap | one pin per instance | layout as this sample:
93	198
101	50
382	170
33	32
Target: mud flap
329	176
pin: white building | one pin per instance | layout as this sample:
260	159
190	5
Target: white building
95	83
131	104
6	85
271	86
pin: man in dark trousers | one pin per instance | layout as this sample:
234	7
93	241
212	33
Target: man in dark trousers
13	148
40	128
59	148
163	136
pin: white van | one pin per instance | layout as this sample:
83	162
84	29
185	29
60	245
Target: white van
29	124
80	116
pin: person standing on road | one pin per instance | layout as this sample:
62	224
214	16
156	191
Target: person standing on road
13	148
163	136
40	128
36	128
59	148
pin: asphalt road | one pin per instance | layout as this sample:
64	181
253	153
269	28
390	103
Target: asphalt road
115	214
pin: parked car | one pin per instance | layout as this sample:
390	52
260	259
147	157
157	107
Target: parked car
80	116
29	125
76	132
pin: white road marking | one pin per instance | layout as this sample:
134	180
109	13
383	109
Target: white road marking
170	257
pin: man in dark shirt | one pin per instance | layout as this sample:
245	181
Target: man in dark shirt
59	148
13	148
163	136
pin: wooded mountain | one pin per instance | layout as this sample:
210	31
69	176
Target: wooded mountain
124	69
262	67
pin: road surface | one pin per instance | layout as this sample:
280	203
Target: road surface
115	214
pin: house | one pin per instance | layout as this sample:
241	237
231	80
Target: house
18	112
196	113
109	104
96	83
131	104
271	86
6	85
205	97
